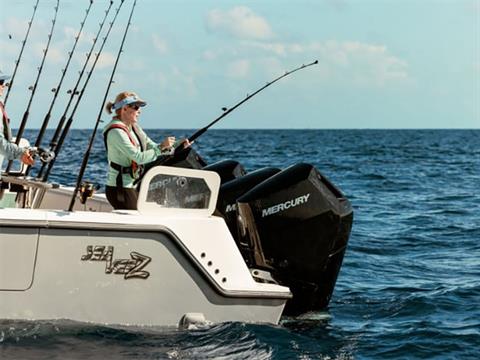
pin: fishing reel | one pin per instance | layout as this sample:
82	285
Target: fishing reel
45	155
86	191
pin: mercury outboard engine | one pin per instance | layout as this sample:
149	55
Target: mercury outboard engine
186	158
231	191
227	169
296	225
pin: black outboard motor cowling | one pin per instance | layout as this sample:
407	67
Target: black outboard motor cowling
227	169
297	225
231	191
187	158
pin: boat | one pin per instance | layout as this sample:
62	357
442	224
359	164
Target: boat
209	243
177	260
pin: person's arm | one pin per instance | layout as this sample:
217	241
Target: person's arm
10	150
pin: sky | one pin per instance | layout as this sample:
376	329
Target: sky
382	63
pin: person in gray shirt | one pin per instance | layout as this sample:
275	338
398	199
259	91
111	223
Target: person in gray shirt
8	149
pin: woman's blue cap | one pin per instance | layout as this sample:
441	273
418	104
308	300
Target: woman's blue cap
127	101
4	77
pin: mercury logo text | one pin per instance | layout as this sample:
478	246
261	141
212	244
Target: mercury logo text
285	205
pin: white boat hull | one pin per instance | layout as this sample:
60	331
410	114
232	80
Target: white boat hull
116	274
168	264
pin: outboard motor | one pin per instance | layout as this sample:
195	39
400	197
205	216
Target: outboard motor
297	224
227	169
187	158
231	191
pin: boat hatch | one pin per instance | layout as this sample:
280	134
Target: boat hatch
18	250
171	190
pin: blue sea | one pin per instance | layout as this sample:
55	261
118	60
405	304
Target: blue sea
409	287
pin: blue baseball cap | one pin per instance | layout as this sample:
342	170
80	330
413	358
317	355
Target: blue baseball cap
4	77
128	101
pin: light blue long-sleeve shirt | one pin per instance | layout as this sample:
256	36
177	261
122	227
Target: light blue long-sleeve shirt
122	152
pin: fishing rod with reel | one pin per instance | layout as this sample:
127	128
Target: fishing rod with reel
86	188
164	160
70	119
56	90
74	92
17	62
34	87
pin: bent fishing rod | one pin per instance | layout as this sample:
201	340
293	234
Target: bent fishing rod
227	111
34	87
56	90
86	156
74	92
199	132
17	62
70	119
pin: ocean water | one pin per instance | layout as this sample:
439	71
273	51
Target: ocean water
409	287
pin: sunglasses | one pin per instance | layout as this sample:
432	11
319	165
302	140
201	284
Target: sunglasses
3	82
136	107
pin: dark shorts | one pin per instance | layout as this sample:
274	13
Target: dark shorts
123	198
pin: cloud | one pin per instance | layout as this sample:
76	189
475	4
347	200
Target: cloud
183	83
15	27
238	69
160	44
363	63
56	55
209	55
106	59
240	22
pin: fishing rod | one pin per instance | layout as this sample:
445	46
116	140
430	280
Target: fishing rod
74	92
17	62
70	119
227	111
180	148
34	87
56	90
94	132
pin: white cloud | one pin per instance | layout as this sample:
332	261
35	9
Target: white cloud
209	55
183	83
362	62
238	69
106	59
15	27
56	55
240	22
159	44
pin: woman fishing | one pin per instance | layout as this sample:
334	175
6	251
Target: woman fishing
128	148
